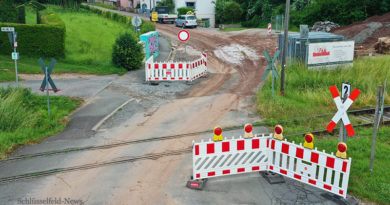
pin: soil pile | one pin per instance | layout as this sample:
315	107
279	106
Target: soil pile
367	32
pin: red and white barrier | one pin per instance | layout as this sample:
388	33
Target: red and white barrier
175	71
264	153
228	157
312	167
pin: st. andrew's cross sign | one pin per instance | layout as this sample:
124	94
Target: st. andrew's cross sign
271	67
49	70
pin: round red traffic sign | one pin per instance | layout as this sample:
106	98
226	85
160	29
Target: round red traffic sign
183	35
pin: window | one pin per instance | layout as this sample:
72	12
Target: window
190	5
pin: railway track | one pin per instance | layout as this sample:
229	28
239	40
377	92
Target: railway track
363	113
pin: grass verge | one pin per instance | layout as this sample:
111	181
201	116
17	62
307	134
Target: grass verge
24	119
308	95
104	6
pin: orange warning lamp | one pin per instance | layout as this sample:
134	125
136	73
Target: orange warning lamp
218	133
309	139
341	150
248	130
278	132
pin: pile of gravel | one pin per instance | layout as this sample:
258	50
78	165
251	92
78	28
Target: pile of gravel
324	26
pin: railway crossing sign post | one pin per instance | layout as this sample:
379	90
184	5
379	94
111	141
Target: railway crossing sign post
345	92
184	36
342	108
271	67
47	80
15	55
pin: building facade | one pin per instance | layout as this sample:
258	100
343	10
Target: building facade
204	9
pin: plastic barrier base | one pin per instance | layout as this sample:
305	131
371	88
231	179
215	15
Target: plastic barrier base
350	200
197	184
272	178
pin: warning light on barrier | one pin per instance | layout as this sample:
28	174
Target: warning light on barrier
248	130
341	150
217	133
278	132
309	141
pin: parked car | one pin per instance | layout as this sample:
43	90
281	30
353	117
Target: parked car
186	21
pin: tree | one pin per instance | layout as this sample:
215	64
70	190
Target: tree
232	12
184	10
169	3
127	52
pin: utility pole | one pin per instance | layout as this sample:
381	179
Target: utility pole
284	57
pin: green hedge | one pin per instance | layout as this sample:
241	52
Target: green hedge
40	40
146	26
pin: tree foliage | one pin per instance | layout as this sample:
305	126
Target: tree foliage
184	10
169	3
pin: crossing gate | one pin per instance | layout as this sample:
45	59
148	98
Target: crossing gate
264	153
175	71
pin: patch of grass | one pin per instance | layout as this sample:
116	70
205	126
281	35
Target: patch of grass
24	118
308	95
30	65
105	6
234	29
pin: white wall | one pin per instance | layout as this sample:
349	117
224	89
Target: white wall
203	9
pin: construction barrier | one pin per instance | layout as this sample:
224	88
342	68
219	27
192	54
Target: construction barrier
265	153
175	71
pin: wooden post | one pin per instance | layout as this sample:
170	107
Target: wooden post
284	57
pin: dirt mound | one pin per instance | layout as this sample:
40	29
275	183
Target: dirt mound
367	32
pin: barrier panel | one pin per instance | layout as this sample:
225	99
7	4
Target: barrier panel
175	71
265	153
228	157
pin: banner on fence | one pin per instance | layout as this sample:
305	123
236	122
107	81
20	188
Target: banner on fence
330	54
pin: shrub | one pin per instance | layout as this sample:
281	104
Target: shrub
8	11
21	18
46	40
169	3
184	10
127	53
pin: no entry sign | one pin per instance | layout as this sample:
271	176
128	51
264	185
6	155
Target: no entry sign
183	35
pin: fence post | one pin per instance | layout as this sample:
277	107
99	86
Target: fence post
376	125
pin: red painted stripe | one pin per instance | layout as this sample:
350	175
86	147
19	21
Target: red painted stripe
164	66
273	144
240	145
299	153
285	148
334	91
296	176
271	167
312	182
204	54
155	66
197	175
314	157
180	78
344	166
150	78
226	172
210	174
172	78
327	187
241	170
330	162
210	148
193	184
255	168
255	143
225	146
283	171
355	93
205	63
341	192
150	66
188	66
196	149
156	78
164	78
172	65
350	130
267	143
180	66
331	126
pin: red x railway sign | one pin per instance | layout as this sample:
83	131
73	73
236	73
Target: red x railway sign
342	110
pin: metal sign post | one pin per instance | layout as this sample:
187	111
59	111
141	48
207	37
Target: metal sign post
271	67
47	91
136	21
15	55
184	36
345	92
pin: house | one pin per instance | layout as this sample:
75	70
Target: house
204	9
